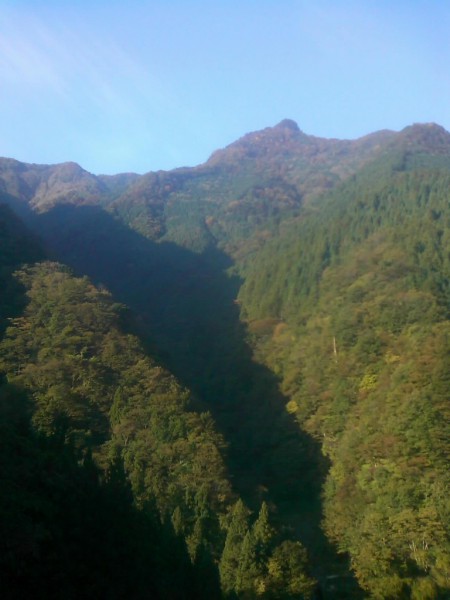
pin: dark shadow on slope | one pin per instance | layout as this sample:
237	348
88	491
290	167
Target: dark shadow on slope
66	532
188	318
17	246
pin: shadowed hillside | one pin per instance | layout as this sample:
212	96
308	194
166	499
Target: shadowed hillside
185	309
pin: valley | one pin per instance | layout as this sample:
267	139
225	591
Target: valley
256	348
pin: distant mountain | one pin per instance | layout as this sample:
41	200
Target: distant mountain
246	188
282	154
243	189
42	186
299	158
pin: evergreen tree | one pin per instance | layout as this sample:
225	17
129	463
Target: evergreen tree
236	533
262	530
249	573
288	576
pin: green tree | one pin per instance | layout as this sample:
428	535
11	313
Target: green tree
236	533
288	572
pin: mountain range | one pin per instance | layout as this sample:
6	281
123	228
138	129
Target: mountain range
253	353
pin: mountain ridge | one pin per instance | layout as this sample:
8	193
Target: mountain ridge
241	195
42	186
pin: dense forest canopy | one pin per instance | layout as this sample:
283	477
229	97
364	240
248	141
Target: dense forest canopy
241	368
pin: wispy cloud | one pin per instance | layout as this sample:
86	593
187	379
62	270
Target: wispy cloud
25	59
65	59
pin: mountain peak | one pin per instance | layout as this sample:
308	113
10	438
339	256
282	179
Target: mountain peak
279	139
288	124
430	136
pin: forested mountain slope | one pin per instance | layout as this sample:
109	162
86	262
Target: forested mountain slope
82	402
359	300
300	289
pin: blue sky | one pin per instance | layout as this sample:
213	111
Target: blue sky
144	85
